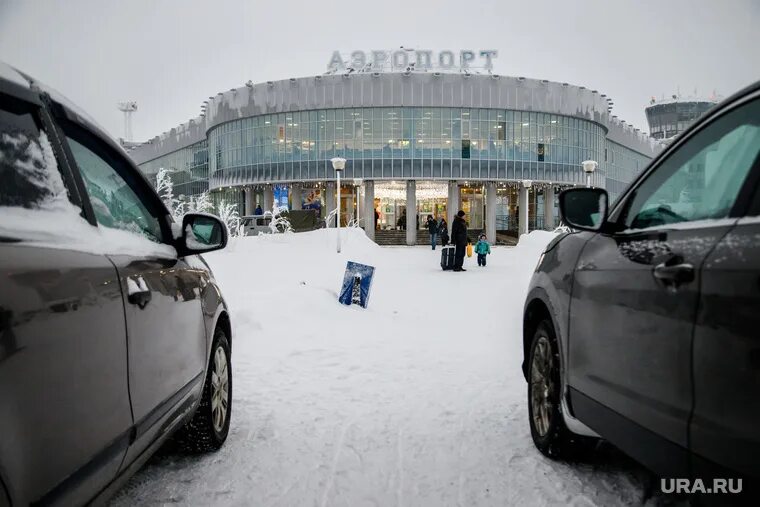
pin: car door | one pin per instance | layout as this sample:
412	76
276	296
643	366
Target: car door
65	416
727	347
166	334
636	292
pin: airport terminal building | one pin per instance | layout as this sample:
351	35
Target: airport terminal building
498	147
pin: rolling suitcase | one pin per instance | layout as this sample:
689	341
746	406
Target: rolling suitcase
447	257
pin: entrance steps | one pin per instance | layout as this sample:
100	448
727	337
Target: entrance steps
398	238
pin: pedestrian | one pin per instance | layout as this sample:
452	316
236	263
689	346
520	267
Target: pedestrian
459	239
482	248
377	217
432	227
443	230
401	223
258	211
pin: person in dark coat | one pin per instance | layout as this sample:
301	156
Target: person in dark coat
443	230
432	227
258	211
377	216
401	223
459	239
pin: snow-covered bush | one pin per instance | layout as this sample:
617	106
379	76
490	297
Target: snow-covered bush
227	212
279	222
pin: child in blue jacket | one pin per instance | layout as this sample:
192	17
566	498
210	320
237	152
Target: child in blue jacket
482	248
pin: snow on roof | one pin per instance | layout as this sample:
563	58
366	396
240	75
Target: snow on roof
673	99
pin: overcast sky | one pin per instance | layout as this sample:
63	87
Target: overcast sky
169	56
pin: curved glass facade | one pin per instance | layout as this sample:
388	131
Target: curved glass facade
188	169
405	143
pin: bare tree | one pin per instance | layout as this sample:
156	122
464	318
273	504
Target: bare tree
228	213
202	203
165	190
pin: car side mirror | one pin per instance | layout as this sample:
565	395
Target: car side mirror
201	233
584	208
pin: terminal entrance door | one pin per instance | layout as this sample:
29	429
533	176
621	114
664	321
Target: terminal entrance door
435	207
472	205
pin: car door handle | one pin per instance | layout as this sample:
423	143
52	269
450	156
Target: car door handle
138	292
674	274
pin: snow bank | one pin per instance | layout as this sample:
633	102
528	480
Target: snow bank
535	242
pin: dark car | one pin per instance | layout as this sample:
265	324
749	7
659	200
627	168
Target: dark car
642	324
113	332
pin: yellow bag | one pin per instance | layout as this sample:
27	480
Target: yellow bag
469	250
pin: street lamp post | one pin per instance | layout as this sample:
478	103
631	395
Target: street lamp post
589	166
338	164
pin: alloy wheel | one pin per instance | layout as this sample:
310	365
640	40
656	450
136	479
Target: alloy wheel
219	389
542	385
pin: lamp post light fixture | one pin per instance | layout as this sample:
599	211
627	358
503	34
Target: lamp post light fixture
589	166
338	164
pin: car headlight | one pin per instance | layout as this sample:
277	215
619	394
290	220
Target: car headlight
540	260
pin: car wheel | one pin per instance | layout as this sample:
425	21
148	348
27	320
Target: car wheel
208	428
547	426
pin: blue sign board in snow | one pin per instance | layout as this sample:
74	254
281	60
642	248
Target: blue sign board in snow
357	282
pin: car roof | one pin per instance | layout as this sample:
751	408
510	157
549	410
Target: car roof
19	79
8	73
22	86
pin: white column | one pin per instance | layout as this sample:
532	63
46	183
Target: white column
453	204
523	203
330	205
491	212
411	212
249	204
268	198
549	208
295	196
369	209
359	197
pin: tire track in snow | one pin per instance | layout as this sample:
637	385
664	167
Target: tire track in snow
338	446
400	469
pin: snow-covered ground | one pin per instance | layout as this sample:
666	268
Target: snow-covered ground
417	400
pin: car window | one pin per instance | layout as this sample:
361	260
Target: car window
29	176
703	177
114	203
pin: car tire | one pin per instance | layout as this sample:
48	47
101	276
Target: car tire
208	428
547	425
